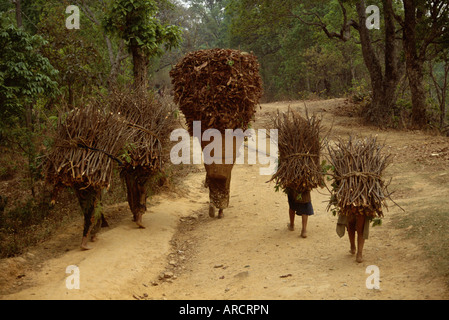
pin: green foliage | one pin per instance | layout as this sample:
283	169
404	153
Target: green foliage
376	222
25	77
360	92
214	22
125	155
24	73
73	52
24	225
297	59
137	23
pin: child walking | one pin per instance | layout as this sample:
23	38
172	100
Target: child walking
299	204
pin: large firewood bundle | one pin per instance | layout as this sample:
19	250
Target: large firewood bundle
86	144
299	146
358	187
219	87
147	149
152	122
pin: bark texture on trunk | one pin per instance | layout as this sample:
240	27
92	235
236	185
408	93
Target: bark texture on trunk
383	84
140	68
18	13
414	66
419	106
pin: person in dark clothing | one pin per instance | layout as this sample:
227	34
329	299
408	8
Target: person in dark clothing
299	204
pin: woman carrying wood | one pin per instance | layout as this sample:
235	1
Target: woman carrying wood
219	88
146	150
87	142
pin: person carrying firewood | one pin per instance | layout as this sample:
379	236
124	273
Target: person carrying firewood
87	142
299	170
359	192
357	226
220	89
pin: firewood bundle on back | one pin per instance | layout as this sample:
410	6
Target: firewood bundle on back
86	143
219	87
146	149
299	147
358	186
152	122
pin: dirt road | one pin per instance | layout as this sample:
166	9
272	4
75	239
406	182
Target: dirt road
250	253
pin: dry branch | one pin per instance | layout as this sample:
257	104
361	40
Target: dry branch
219	87
86	144
358	186
152	122
299	147
147	148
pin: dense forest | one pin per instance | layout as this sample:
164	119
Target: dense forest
390	57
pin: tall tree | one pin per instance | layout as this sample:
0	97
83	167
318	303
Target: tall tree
384	76
336	19
212	21
25	76
384	83
424	22
136	22
73	52
116	52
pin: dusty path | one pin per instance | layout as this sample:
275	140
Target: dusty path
123	258
250	254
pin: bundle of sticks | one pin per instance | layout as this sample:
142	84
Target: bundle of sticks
86	144
146	150
299	146
358	187
219	87
152	122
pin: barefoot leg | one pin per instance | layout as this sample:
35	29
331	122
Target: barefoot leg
220	213
351	234
304	225
104	222
84	243
291	215
94	231
211	210
360	223
88	221
89	199
139	220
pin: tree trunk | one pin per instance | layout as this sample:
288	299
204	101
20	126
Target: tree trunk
443	96
18	13
383	86
115	62
416	81
140	68
391	60
71	96
414	66
443	111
